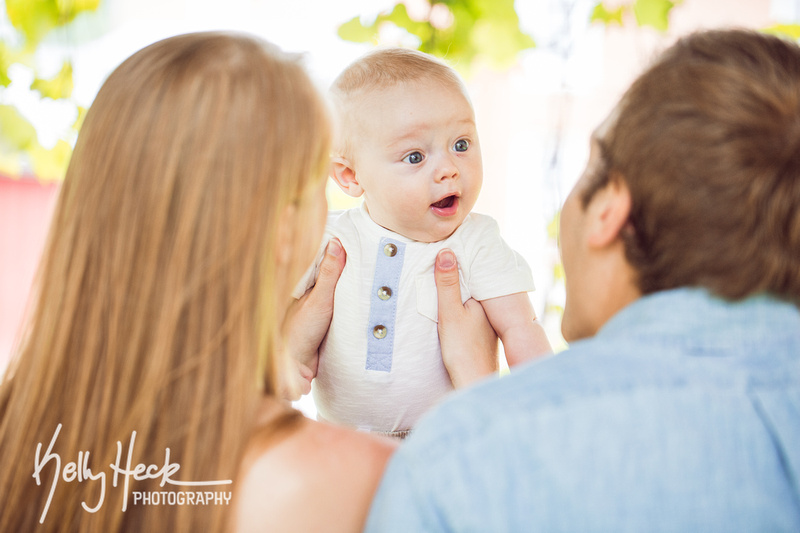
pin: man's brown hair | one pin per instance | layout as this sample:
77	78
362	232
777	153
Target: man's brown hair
708	142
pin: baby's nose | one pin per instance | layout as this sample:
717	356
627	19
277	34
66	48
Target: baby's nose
447	169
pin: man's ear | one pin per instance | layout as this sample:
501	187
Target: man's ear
344	175
609	209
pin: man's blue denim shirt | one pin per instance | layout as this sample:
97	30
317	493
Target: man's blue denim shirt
681	414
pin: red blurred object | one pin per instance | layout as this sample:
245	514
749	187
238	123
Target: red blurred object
26	207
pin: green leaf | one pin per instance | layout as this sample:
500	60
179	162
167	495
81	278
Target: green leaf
455	44
19	143
6	59
499	9
399	17
558	272
653	13
57	87
603	15
10	164
76	126
18	133
553	226
784	30
50	165
70	8
34	18
485	28
504	21
354	31
498	43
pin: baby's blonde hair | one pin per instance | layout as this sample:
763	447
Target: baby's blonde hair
383	68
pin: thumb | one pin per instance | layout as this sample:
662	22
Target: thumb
448	288
331	266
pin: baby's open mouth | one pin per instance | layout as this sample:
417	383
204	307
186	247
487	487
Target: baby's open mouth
445	202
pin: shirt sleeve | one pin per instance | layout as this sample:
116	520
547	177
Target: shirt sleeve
495	269
402	504
436	480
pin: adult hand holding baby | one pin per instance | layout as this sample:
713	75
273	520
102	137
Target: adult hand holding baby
308	319
469	344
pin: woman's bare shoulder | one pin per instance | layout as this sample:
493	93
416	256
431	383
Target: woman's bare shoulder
318	477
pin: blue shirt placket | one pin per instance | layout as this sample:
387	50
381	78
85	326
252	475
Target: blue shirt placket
383	305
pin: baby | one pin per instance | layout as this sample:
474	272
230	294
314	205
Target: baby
407	142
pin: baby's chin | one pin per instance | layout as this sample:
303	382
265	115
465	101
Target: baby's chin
436	230
439	232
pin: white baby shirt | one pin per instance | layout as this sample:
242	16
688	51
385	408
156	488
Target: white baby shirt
380	366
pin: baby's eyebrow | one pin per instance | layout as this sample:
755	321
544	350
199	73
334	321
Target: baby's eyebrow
409	136
415	129
466	121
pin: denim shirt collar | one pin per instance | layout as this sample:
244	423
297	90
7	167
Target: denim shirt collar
700	317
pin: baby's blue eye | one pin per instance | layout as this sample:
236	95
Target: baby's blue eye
462	145
414	158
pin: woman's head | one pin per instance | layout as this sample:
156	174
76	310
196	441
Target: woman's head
226	127
192	152
707	140
164	281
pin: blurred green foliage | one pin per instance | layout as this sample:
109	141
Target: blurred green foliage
33	21
463	32
653	13
792	31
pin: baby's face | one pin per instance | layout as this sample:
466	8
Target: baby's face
418	159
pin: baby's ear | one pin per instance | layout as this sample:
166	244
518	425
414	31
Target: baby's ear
344	175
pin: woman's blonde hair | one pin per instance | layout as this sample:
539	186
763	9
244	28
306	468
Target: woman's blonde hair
155	307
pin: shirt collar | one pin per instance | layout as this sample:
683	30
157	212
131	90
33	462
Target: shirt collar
696	316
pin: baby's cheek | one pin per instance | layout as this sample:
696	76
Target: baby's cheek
405	205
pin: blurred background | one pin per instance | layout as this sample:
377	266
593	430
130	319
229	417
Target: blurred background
542	75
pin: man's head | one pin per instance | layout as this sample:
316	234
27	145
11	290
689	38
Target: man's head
407	140
705	149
